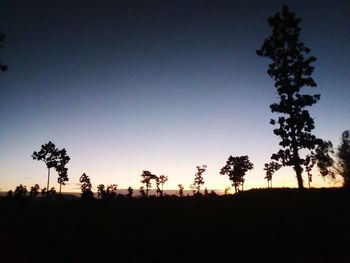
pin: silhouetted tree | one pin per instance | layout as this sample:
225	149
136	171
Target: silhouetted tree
111	191
34	191
198	178
43	192
9	194
181	190
86	187
227	190
130	192
21	192
52	193
291	70
147	176
343	158
270	169
142	192
206	192
101	192
49	155
235	168
2	39
61	169
161	180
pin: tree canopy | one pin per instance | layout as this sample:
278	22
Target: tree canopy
236	168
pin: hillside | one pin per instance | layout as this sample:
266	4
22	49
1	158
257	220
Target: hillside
282	224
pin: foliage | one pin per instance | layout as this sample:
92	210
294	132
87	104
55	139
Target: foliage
101	192
142	192
86	187
270	169
61	169
181	190
9	194
343	156
198	179
111	191
161	180
235	168
34	191
130	192
291	71
20	192
53	158
147	176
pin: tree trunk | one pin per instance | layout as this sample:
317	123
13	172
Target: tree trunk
297	162
60	188
48	183
298	170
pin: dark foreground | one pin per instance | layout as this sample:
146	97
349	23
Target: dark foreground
285	225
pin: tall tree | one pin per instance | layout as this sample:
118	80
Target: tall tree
291	70
61	169
198	178
2	39
343	156
270	169
147	177
235	168
86	187
49	154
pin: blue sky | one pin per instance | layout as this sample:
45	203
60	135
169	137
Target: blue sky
164	86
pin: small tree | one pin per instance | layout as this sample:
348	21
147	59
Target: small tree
49	155
161	180
21	192
270	169
111	191
43	192
147	176
291	70
227	190
101	192
52	193
86	187
130	192
34	191
142	192
235	168
181	190
9	194
198	178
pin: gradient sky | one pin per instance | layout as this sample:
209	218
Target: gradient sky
164	86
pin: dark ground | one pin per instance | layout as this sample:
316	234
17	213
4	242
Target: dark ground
285	225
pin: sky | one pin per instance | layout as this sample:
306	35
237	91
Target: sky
164	86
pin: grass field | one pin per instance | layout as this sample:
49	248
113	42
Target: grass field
287	225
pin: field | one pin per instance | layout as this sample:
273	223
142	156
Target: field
281	224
